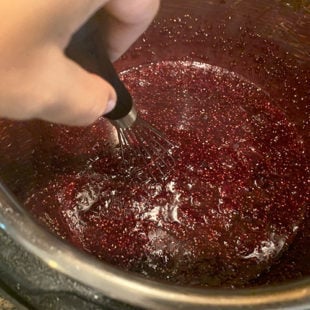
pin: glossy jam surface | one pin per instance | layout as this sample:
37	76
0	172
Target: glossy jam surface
231	205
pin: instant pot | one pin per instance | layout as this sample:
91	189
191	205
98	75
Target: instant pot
266	42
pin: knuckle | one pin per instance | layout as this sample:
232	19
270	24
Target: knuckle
93	113
148	9
40	103
139	11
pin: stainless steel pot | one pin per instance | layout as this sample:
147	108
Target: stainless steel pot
236	32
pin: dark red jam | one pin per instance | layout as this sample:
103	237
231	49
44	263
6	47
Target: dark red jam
231	205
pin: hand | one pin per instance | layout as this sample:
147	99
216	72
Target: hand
37	80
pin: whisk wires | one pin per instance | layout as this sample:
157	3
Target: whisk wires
145	151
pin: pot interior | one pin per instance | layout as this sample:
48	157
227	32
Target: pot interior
228	84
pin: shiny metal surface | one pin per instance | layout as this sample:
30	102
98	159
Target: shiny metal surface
126	121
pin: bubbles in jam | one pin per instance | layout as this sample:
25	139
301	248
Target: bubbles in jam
230	206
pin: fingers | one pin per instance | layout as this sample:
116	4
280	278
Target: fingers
127	22
38	80
134	12
79	97
61	93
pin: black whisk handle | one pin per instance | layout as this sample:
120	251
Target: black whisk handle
87	49
124	100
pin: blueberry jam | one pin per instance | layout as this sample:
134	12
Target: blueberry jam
231	205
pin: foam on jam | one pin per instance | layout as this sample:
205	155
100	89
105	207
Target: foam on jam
229	208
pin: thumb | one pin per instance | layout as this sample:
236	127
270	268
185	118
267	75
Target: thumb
78	97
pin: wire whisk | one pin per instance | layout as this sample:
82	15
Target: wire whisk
144	149
145	152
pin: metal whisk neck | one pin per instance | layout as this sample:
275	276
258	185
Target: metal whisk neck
146	153
126	121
